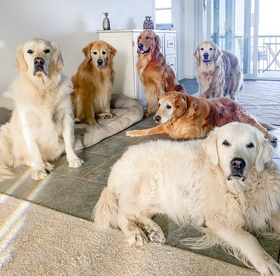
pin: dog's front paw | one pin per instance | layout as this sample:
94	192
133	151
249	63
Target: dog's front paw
156	236
76	163
105	115
39	174
49	167
138	240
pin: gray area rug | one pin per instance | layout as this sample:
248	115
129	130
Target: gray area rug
37	241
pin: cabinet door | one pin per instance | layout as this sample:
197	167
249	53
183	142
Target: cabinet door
123	62
170	43
171	60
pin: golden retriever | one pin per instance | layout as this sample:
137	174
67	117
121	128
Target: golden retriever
217	71
225	186
41	127
157	77
185	117
93	83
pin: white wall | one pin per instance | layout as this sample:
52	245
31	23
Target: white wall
71	23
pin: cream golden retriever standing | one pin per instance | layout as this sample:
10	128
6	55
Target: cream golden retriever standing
185	117
157	77
225	186
217	71
41	127
93	83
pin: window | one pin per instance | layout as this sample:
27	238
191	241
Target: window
163	11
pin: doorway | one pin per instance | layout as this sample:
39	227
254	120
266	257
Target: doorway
247	29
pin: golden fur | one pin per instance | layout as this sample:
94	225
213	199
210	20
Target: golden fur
225	186
93	83
157	77
217	71
184	117
41	127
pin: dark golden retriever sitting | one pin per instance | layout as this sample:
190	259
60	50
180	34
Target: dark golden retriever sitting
185	117
93	83
157	77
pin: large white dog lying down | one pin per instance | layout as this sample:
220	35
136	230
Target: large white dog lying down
226	186
41	127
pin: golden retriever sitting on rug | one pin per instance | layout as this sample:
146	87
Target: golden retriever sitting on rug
185	117
41	127
93	83
225	186
217	71
157	77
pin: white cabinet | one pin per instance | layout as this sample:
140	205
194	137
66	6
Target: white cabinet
125	41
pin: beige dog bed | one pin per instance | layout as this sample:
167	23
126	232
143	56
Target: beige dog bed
127	112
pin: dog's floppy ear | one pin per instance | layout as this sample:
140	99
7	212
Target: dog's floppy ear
217	53
196	53
20	61
112	50
158	44
180	104
210	146
87	51
57	57
265	152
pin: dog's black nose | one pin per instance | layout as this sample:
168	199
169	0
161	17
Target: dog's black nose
100	61
157	118
140	46
237	163
38	61
205	55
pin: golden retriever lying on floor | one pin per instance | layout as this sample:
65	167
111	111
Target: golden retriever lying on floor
93	83
225	186
217	71
41	127
185	117
157	77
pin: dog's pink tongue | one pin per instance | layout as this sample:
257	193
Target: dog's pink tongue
100	66
142	51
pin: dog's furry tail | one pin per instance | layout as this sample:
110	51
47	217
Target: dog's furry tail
179	88
105	211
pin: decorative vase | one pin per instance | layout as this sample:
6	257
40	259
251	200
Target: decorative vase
148	23
106	22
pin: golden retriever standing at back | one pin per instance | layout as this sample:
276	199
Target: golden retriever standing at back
217	71
157	77
93	83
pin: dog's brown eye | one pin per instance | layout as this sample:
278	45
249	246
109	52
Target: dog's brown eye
251	145
30	52
103	53
210	49
201	49
168	106
147	37
47	51
95	53
226	143
158	104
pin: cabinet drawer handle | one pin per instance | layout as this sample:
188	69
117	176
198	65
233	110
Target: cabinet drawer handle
171	64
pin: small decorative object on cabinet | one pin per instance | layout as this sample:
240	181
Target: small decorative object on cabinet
148	23
127	81
106	22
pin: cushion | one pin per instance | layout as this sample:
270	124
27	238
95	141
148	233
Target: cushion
127	112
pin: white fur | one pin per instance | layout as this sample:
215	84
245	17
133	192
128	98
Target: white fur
188	182
41	127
